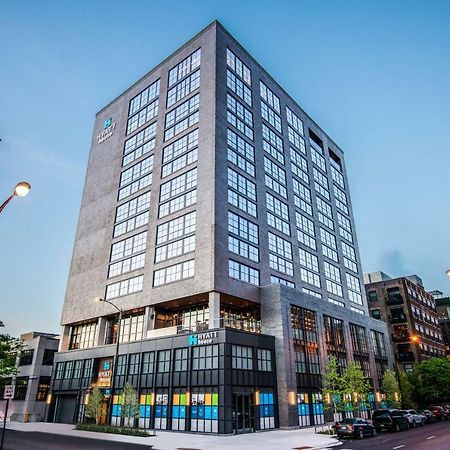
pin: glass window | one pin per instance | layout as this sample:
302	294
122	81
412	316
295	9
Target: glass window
185	67
205	357
241	357
183	89
242	272
174	273
264	360
125	287
239	88
143	98
82	336
236	64
43	389
164	361
269	97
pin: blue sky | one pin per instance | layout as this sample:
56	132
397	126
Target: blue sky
374	74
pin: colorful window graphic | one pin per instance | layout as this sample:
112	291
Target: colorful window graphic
205	410
317	407
266	410
179	405
116	412
161	409
304	412
146	401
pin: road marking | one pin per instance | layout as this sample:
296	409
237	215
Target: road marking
431	437
398	446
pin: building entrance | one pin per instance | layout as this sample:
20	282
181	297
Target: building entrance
243	412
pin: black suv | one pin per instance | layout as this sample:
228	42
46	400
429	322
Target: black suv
389	419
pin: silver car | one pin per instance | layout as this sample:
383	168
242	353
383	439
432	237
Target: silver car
414	418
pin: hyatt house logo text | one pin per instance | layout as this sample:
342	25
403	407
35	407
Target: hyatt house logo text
108	128
203	338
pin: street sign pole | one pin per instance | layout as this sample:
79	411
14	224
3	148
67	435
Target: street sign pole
4	423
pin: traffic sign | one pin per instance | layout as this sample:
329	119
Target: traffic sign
9	391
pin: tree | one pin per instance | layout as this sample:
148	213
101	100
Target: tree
130	404
406	390
355	385
9	350
431	381
391	389
94	405
332	383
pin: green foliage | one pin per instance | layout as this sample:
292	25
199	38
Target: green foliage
94	405
332	383
430	382
130	403
391	387
355	385
111	429
406	390
9	349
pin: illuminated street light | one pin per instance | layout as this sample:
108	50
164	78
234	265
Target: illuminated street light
448	272
414	338
20	190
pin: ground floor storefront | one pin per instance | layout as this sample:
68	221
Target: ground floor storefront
220	381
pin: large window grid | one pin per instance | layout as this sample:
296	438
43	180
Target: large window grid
274	140
345	229
181	126
178	185
142	117
303	322
277	280
174	249
270	116
205	357
275	177
243	228
183	89
179	163
295	122
321	183
264	360
127	265
239	116
243	249
296	140
146	96
147	135
334	333
354	289
241	357
309	260
185	67
178	203
174	273
131	329
241	146
359	339
125	287
239	88
182	111
269	97
241	272
337	177
241	184
299	165
305	233
180	146
176	228
316	156
133	207
302	197
239	67
131	224
129	246
82	336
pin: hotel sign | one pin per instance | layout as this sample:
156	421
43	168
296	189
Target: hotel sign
108	129
203	338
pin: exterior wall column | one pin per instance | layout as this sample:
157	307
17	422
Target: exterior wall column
100	335
214	310
65	338
275	321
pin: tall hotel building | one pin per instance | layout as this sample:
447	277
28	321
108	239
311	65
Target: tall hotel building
216	214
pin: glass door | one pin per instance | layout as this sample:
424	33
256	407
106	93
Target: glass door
243	412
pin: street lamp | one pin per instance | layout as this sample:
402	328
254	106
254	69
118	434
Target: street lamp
20	190
448	272
116	357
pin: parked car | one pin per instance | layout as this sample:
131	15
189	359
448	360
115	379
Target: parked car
439	413
389	419
429	416
414	418
354	427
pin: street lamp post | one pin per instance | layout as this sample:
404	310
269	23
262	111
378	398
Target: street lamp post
20	190
116	357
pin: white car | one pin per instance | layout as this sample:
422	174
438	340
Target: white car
414	418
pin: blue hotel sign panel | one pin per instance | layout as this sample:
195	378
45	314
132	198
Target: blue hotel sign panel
108	129
203	338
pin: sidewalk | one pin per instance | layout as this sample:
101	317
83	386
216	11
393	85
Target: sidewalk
167	440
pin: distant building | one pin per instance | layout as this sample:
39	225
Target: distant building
33	380
443	310
411	315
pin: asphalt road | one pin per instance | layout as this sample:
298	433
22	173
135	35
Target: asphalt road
430	437
19	440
